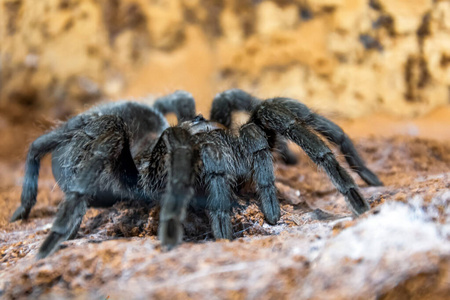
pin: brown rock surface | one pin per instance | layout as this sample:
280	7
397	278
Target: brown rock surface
401	248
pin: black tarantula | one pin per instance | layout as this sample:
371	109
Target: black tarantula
127	150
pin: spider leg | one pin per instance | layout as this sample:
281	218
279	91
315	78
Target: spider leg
180	102
226	103
275	115
106	164
43	145
104	168
179	190
218	190
281	146
39	148
168	167
67	222
335	135
254	140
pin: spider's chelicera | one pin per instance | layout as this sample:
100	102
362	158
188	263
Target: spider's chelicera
127	150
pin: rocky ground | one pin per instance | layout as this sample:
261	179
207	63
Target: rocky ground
398	250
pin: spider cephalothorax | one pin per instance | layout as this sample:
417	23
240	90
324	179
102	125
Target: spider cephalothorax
127	150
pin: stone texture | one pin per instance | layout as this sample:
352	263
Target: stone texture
406	14
350	57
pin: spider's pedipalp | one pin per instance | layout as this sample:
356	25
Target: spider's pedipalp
279	115
179	189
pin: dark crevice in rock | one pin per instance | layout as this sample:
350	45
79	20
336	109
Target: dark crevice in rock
12	14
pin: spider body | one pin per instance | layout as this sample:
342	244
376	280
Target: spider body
127	150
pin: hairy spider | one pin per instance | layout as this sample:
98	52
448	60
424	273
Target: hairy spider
127	150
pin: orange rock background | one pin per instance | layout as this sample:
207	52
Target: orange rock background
344	57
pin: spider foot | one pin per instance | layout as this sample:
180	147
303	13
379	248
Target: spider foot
289	158
20	214
271	211
221	225
369	177
358	204
170	233
50	244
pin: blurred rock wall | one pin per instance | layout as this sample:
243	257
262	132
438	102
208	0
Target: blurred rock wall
347	57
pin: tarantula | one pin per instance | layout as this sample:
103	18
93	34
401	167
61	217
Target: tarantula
127	150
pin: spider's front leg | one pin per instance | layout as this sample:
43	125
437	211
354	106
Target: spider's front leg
279	115
97	159
41	146
170	166
67	222
254	140
217	168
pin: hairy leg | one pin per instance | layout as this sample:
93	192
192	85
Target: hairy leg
38	149
275	115
100	156
335	135
97	159
218	190
181	103
225	103
255	142
43	145
178	157
230	101
322	156
68	219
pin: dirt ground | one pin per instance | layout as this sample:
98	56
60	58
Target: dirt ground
398	250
